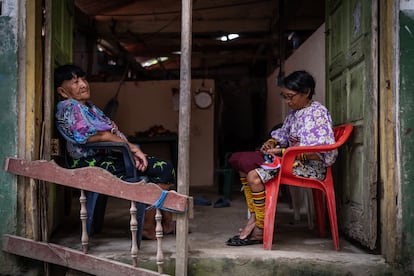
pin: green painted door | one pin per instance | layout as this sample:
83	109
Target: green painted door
352	98
61	41
62	31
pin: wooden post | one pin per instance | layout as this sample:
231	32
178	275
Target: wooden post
47	110
184	136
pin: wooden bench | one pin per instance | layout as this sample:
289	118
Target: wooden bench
101	181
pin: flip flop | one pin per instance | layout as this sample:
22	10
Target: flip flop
202	201
232	238
222	203
236	241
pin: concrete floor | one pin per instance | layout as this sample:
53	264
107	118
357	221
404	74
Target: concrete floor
296	249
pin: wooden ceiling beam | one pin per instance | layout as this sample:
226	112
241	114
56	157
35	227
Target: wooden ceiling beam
153	28
205	26
200	42
94	7
202	26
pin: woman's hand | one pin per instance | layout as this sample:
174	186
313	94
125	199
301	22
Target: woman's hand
140	158
141	161
275	151
269	144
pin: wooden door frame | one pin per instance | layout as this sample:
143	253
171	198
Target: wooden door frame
29	105
389	165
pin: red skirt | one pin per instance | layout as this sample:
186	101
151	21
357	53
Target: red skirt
245	161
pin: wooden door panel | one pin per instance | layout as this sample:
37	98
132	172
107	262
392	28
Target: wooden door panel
359	25
62	31
351	99
336	42
338	99
354	187
357	92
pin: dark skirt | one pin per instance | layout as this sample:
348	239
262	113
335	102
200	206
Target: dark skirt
245	161
158	170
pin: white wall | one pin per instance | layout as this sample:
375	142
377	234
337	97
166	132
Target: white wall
310	56
407	5
145	104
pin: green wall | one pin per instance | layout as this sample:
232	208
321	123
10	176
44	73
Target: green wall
8	122
406	109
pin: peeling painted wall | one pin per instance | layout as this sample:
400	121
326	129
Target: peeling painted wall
8	119
406	110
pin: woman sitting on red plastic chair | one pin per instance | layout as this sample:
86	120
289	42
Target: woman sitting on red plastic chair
308	124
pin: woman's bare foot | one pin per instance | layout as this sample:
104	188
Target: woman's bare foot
251	223
257	234
255	237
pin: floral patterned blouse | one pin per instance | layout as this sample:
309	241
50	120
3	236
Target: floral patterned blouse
309	126
77	122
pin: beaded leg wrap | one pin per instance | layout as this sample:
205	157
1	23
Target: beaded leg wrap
259	199
247	194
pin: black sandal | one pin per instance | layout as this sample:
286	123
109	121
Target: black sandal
236	241
232	238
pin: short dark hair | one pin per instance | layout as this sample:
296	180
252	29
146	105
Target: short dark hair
67	72
301	82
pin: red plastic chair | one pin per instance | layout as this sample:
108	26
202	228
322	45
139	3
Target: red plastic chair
326	186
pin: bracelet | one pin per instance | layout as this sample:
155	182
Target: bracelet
283	151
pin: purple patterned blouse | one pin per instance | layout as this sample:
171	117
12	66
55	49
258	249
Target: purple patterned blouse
77	122
309	126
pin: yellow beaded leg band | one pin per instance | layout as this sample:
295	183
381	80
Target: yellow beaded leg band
302	157
247	194
259	199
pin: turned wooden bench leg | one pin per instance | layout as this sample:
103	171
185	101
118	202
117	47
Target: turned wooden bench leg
159	234
134	229
83	217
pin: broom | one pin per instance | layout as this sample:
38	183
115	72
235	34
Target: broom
111	107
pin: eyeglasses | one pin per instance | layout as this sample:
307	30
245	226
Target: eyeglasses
288	97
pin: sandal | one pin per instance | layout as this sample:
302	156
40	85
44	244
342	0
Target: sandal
222	203
236	241
232	238
202	201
